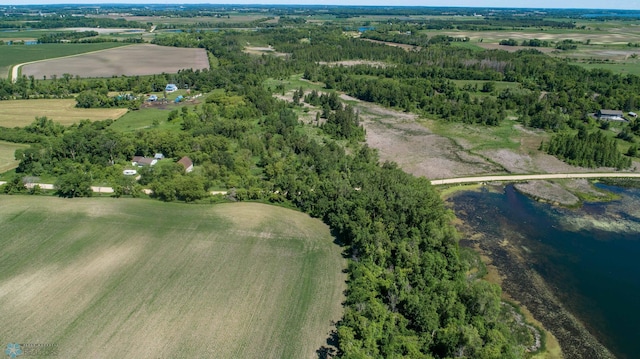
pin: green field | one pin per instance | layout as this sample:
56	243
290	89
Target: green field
20	113
7	159
146	118
17	54
22	35
478	138
632	68
143	279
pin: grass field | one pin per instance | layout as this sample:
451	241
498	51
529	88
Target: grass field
7	160
632	68
476	138
18	113
499	85
146	118
17	54
22	35
104	278
143	59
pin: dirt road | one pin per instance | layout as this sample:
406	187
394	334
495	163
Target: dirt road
547	176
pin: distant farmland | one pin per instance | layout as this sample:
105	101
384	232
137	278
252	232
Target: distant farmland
20	113
145	59
126	278
17	54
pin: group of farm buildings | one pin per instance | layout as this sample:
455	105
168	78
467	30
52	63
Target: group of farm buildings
142	161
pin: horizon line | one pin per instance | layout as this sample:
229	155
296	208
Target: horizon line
334	5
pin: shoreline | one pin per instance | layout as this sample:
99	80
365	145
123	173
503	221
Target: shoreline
506	261
570	193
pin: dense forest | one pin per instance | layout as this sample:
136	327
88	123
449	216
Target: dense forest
587	149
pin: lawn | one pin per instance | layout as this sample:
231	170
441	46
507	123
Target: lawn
146	118
18	113
155	114
143	279
7	159
17	54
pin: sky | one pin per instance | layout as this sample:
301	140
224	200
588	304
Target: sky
580	4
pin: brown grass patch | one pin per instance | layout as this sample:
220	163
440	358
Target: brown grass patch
19	113
145	59
399	137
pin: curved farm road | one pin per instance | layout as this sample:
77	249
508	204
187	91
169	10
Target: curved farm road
13	75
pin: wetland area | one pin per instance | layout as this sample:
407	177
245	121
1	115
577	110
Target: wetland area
574	269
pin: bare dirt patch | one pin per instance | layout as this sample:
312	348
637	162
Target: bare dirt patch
145	59
398	137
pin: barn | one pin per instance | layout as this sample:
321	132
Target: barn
186	163
610	115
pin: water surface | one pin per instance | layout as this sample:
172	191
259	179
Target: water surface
589	257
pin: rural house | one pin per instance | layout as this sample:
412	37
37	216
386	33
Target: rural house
610	115
186	163
142	161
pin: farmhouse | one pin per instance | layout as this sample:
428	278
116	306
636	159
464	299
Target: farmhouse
186	163
142	161
610	115
171	88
